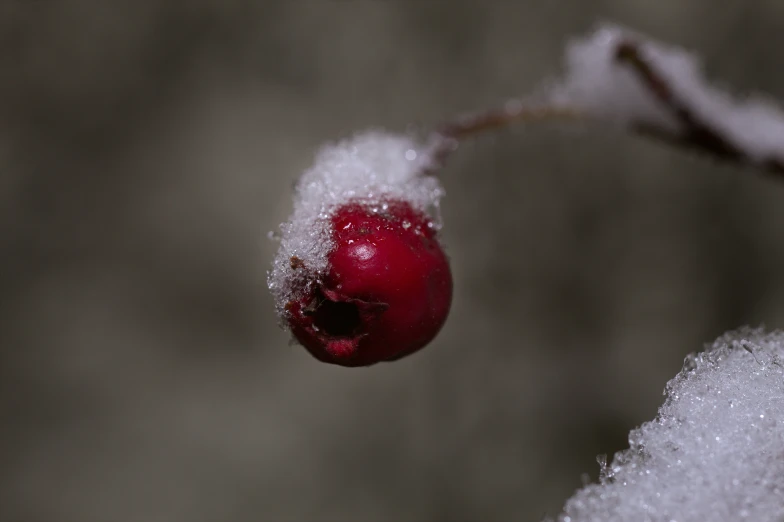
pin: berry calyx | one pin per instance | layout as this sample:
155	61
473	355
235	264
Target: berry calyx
387	292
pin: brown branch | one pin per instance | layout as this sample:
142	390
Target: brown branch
695	134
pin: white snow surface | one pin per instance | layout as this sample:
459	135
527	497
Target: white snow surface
595	82
371	167
714	453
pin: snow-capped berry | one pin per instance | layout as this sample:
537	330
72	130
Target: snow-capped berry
360	276
387	292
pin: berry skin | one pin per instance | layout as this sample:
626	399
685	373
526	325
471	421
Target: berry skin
387	292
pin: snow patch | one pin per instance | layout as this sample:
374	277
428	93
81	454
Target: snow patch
715	451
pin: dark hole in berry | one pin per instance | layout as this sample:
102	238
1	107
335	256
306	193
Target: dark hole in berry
337	319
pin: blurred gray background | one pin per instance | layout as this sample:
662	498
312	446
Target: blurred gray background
147	147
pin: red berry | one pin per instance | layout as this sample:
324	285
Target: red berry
387	292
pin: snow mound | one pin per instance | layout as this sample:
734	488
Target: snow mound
715	451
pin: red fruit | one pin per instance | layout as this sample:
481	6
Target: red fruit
387	292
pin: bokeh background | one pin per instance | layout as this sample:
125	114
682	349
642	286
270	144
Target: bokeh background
146	148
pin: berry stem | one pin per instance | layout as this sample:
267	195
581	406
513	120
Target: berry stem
449	134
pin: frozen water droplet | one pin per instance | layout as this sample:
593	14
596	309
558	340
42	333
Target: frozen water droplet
690	362
406	225
273	235
411	155
602	460
605	472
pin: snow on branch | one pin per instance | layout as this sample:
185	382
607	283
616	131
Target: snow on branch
714	452
618	76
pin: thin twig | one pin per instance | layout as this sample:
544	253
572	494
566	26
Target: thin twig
448	135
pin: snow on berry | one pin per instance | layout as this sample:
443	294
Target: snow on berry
360	276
